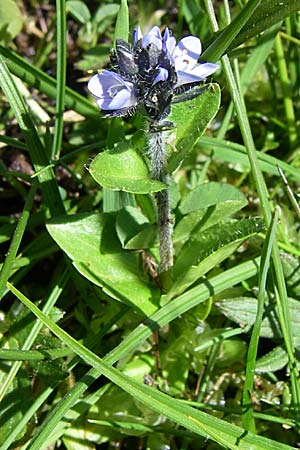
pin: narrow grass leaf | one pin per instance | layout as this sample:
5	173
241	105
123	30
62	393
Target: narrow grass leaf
46	84
248	413
162	317
61	67
8	263
35	146
198	422
50	302
264	15
226	36
267	14
116	200
237	154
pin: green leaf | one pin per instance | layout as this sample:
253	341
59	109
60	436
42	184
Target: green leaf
134	230
290	266
226	36
118	273
78	10
248	412
191	119
237	154
216	201
115	403
122	23
116	200
105	11
204	252
220	431
19	399
266	14
175	364
123	169
35	146
243	310
200	220
44	83
212	194
193	298
11	20
274	360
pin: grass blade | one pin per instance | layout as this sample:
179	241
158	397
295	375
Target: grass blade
165	315
262	191
248	413
16	240
196	421
61	46
35	77
36	149
222	42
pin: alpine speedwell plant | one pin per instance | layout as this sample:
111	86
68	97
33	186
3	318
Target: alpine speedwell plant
150	75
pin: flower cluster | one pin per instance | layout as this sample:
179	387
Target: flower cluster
149	73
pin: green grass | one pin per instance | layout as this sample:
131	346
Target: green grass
93	353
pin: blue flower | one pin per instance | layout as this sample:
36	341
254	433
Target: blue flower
149	74
112	92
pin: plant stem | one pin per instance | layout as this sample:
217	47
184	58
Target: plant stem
158	156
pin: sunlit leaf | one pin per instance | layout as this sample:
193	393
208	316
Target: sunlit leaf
11	20
204	252
122	23
119	274
274	360
123	169
211	194
242	310
191	118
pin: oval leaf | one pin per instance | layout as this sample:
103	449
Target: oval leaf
118	274
243	310
11	20
123	170
211	194
79	11
274	360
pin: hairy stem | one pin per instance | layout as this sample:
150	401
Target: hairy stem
158	157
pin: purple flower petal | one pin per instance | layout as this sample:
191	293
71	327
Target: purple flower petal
136	35
153	37
112	91
122	99
168	43
198	72
153	58
185	56
161	76
188	48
